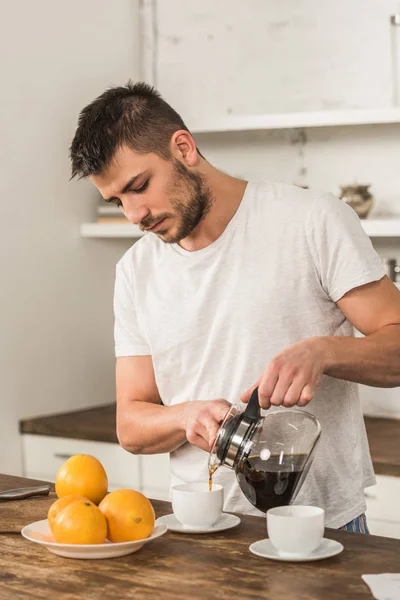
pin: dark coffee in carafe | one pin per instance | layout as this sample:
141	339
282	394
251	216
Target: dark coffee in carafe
272	482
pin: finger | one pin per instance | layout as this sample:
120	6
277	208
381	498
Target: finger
212	429
212	421
267	385
306	395
199	437
280	390
245	397
219	409
200	442
293	393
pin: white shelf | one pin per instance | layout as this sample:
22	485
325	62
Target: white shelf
301	119
373	227
382	227
111	230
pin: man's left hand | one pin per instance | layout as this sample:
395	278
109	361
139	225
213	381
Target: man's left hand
292	376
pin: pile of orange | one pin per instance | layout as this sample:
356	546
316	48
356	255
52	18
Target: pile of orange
86	514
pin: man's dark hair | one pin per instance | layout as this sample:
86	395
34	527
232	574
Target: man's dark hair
134	115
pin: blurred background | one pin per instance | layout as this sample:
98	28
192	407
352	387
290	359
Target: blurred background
301	92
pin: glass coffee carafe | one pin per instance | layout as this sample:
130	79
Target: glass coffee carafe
270	455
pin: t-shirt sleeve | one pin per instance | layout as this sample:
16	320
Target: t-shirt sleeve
342	252
127	337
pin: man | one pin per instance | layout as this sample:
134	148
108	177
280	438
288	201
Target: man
236	284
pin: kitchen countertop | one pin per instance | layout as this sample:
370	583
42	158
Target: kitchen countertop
98	424
178	566
384	444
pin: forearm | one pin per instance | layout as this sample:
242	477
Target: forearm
146	428
373	360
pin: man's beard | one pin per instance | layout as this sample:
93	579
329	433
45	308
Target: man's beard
191	210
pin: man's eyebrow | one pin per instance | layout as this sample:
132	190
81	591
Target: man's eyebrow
126	186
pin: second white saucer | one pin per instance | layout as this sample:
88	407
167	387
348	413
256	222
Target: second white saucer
226	521
326	549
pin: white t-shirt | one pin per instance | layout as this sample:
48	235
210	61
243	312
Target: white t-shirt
214	318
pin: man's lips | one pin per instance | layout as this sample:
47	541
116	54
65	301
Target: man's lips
155	226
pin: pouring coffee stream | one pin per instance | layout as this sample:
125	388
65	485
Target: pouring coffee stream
271	455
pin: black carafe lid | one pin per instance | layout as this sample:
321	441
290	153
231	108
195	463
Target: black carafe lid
235	431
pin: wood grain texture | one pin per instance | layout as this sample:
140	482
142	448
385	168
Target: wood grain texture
15	514
99	424
384	443
194	567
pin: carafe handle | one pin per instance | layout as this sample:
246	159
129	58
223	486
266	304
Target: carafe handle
252	411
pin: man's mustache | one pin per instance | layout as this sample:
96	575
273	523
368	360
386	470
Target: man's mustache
151	221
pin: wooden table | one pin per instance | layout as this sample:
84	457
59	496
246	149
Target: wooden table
176	566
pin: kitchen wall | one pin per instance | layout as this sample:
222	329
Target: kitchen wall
273	56
56	288
213	59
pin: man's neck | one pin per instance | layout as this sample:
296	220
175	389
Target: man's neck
227	193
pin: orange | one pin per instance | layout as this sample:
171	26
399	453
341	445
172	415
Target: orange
81	522
59	505
130	515
83	475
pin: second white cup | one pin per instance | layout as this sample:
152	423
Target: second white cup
296	530
195	506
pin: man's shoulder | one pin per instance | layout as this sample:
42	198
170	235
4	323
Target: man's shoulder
292	199
141	252
285	192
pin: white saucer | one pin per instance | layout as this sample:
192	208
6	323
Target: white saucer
226	521
265	549
39	532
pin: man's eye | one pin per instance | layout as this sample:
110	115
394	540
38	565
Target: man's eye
115	201
142	188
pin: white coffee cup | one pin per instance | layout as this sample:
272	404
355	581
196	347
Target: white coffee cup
195	506
296	530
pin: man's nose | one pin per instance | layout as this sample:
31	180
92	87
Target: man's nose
135	214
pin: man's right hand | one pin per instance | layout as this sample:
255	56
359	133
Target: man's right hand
146	427
202	419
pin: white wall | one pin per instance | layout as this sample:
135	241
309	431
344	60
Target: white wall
332	156
254	57
56	288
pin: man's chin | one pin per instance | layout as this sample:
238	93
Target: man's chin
172	235
166	236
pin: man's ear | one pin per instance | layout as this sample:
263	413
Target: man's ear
183	148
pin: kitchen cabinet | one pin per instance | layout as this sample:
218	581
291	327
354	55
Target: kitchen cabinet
149	474
383	514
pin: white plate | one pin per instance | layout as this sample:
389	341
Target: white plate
40	533
327	548
226	521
